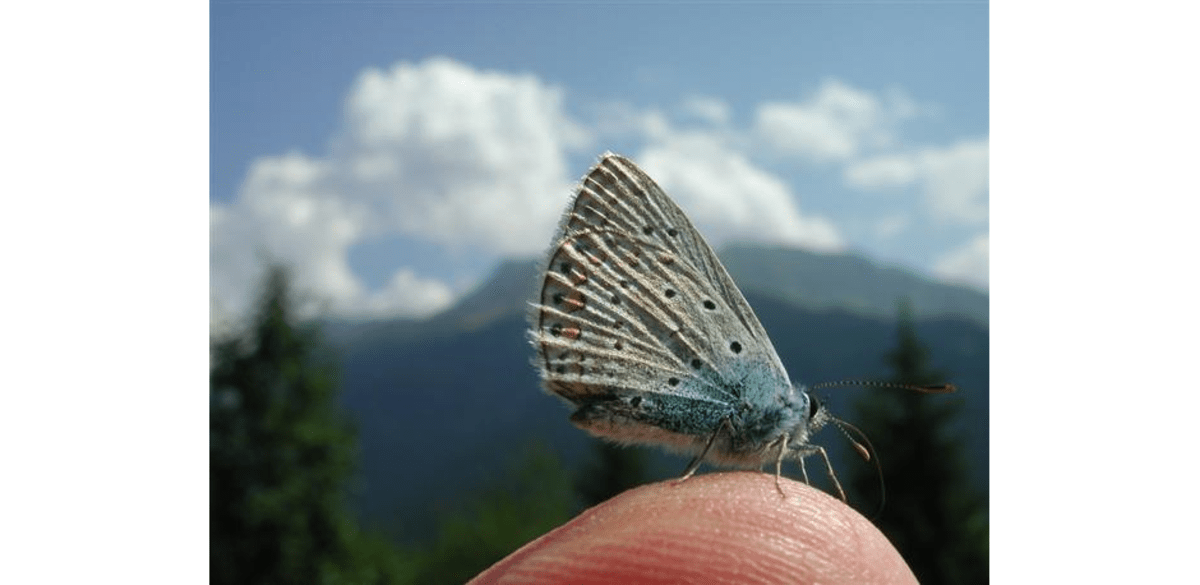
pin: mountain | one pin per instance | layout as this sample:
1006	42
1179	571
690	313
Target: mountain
445	405
848	282
804	279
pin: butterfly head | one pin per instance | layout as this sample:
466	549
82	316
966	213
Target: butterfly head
811	414
817	415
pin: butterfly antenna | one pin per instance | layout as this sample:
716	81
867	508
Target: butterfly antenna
927	389
868	453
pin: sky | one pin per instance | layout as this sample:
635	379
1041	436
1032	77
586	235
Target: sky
393	153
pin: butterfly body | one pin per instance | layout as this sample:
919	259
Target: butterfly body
685	425
641	329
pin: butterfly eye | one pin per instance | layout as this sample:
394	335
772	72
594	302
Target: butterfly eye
813	406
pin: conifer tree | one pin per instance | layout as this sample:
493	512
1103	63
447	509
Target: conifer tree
281	454
932	513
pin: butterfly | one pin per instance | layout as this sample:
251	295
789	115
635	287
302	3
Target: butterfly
643	332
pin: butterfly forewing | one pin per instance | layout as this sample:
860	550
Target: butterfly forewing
590	339
634	300
657	218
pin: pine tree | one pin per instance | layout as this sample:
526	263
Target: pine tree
932	513
281	454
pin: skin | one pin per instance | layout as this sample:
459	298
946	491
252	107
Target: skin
715	528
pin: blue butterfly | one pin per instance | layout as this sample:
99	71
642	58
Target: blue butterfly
641	329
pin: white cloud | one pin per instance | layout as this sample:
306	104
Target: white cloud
287	213
704	169
730	198
447	153
882	171
953	180
968	264
476	162
956	181
622	121
435	151
406	293
837	123
889	226
711	110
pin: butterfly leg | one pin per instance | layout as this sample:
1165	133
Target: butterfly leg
832	475
695	464
783	441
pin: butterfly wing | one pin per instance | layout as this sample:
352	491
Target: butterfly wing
638	317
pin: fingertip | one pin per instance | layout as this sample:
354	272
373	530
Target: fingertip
714	528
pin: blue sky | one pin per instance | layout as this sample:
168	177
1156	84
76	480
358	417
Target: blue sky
393	152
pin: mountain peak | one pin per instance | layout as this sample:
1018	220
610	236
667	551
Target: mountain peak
819	280
811	280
